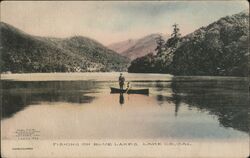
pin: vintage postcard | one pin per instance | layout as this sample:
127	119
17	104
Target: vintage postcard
134	79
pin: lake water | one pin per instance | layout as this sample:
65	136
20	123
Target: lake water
80	106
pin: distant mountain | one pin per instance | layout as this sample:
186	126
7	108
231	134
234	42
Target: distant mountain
220	48
134	48
22	52
122	46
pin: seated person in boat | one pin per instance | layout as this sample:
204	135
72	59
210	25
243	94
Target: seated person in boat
128	85
121	81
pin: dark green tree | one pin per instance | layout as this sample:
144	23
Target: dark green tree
143	64
160	45
172	43
176	32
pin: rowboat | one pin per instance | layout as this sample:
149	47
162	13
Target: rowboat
129	91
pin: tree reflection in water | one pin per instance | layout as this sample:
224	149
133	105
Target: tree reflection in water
17	95
228	99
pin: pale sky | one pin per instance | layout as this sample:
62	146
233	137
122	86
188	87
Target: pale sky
114	21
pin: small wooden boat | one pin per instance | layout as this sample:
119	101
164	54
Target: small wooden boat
129	91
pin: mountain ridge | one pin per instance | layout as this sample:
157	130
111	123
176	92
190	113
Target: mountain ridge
134	48
22	52
219	49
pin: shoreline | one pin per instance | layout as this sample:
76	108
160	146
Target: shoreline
106	76
95	76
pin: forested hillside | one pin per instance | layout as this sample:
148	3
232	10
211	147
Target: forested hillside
21	52
220	48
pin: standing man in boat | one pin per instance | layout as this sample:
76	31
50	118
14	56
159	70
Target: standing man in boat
121	81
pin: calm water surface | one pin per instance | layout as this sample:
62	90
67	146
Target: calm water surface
81	106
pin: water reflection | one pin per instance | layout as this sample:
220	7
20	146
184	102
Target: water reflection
227	99
18	95
121	99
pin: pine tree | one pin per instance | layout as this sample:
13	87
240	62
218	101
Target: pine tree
176	31
160	45
172	43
